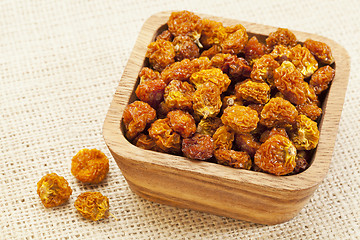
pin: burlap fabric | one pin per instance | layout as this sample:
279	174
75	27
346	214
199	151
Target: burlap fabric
60	62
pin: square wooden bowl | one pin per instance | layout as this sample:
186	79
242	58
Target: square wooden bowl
213	188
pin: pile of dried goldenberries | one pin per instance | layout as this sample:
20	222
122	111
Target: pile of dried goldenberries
88	166
211	93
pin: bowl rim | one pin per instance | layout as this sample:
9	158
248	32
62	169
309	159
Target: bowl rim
310	178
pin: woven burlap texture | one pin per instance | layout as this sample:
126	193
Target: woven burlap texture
60	62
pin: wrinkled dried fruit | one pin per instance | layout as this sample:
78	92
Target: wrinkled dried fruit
254	50
53	190
290	82
164	136
235	40
310	110
185	48
306	133
211	52
185	23
151	92
146	142
213	33
247	142
320	50
321	78
161	54
254	92
165	35
231	65
200	147
240	119
263	69
223	138
90	166
301	162
276	156
278	112
303	60
136	116
281	53
179	95
214	75
182	123
233	158
92	205
207	100
281	36
147	74
209	126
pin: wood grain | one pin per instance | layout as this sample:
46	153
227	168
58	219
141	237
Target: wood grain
240	194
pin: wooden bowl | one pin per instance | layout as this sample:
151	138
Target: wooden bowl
213	188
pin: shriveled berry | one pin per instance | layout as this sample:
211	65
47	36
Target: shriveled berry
200	147
276	156
233	158
182	123
53	190
240	119
164	136
320	50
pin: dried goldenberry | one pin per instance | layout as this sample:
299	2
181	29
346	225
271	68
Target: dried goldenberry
209	126
53	190
278	112
90	166
320	50
213	33
231	65
151	92
235	40
233	158
254	50
301	162
290	82
281	36
254	92
321	78
223	138
211	52
214	75
185	23
164	136
276	156
281	53
146	142
185	48
92	205
240	119
200	147
306	133
182	123
179	95
303	60
136	117
263	69
184	69
161	54
310	110
247	142
147	74
165	35
207	100
177	71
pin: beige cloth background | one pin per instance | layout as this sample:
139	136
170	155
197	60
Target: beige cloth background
60	62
